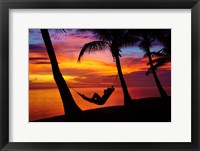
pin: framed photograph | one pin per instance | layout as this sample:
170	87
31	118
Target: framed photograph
103	75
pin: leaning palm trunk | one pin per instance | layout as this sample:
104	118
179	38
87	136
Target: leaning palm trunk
162	92
127	97
69	104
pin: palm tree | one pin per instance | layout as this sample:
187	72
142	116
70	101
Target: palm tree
70	107
163	56
146	39
113	39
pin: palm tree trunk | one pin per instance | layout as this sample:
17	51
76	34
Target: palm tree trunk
70	107
127	97
162	92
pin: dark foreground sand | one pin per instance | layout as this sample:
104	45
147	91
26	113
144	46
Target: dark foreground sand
141	110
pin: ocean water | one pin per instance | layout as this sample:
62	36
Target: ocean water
44	103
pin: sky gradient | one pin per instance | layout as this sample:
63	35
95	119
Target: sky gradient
95	70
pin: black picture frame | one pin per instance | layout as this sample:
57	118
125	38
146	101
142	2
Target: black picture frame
5	5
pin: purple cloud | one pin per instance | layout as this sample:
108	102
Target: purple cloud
38	58
36	47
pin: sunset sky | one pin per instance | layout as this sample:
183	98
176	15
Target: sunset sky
95	70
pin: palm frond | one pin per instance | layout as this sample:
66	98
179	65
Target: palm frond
60	31
162	62
146	54
92	47
144	44
149	71
102	34
157	63
157	54
158	60
128	41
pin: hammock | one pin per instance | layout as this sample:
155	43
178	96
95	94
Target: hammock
99	100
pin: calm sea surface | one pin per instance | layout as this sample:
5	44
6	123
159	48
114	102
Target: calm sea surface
44	103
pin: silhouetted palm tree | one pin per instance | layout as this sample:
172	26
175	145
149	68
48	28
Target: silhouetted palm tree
146	39
163	56
113	39
70	107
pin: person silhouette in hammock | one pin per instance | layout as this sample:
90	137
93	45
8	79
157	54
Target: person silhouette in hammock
97	99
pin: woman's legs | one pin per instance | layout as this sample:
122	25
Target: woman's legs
96	97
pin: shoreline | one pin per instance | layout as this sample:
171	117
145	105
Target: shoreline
153	109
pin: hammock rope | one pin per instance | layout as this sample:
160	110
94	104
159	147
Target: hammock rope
115	80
